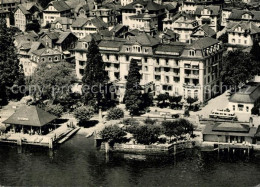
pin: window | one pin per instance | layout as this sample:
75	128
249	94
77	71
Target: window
196	94
43	59
166	62
247	109
167	79
234	107
81	71
145	68
240	107
145	60
192	53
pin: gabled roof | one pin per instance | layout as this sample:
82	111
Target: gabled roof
183	14
46	52
63	21
63	36
248	94
60	5
175	47
203	43
237	14
30	116
149	5
96	21
250	27
35	46
209	32
26	7
215	10
52	35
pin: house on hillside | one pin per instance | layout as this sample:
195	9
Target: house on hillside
62	24
26	13
56	9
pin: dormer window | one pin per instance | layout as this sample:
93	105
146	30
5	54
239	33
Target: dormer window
192	53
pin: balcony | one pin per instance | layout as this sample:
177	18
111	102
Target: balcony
192	76
191	86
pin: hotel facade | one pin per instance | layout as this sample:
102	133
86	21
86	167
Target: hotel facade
189	70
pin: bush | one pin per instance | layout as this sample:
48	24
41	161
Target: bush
115	113
83	114
150	121
55	110
147	134
113	134
187	113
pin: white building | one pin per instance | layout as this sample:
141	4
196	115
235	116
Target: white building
243	33
183	24
226	12
25	13
56	9
82	27
176	68
243	101
208	15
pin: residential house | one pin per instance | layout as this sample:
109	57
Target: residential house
245	15
61	41
175	68
10	5
46	55
24	55
183	24
84	26
190	6
242	34
230	133
202	32
208	15
119	30
243	100
171	8
106	14
56	9
125	2
226	12
169	36
62	24
80	8
143	13
26	13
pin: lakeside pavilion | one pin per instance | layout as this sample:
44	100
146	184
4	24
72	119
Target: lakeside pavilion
30	120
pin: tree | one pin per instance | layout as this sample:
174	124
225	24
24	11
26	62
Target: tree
191	100
133	95
115	113
147	134
224	37
237	68
34	26
162	98
147	99
11	72
52	81
255	54
174	100
113	134
83	114
56	110
256	109
170	128
95	77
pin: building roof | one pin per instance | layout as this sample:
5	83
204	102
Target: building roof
237	14
229	129
144	39
63	36
96	21
248	94
215	10
203	43
149	5
110	44
30	116
183	14
60	5
173	48
63	21
35	46
249	27
207	30
52	35
46	52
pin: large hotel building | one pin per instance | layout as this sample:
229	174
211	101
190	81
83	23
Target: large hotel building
175	68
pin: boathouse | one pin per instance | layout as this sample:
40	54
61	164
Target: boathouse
29	120
228	132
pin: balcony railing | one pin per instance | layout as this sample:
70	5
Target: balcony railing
191	86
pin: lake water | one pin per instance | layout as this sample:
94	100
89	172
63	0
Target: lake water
78	163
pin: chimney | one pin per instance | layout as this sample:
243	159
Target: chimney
113	35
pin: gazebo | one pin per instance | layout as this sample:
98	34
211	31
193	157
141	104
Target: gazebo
30	116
